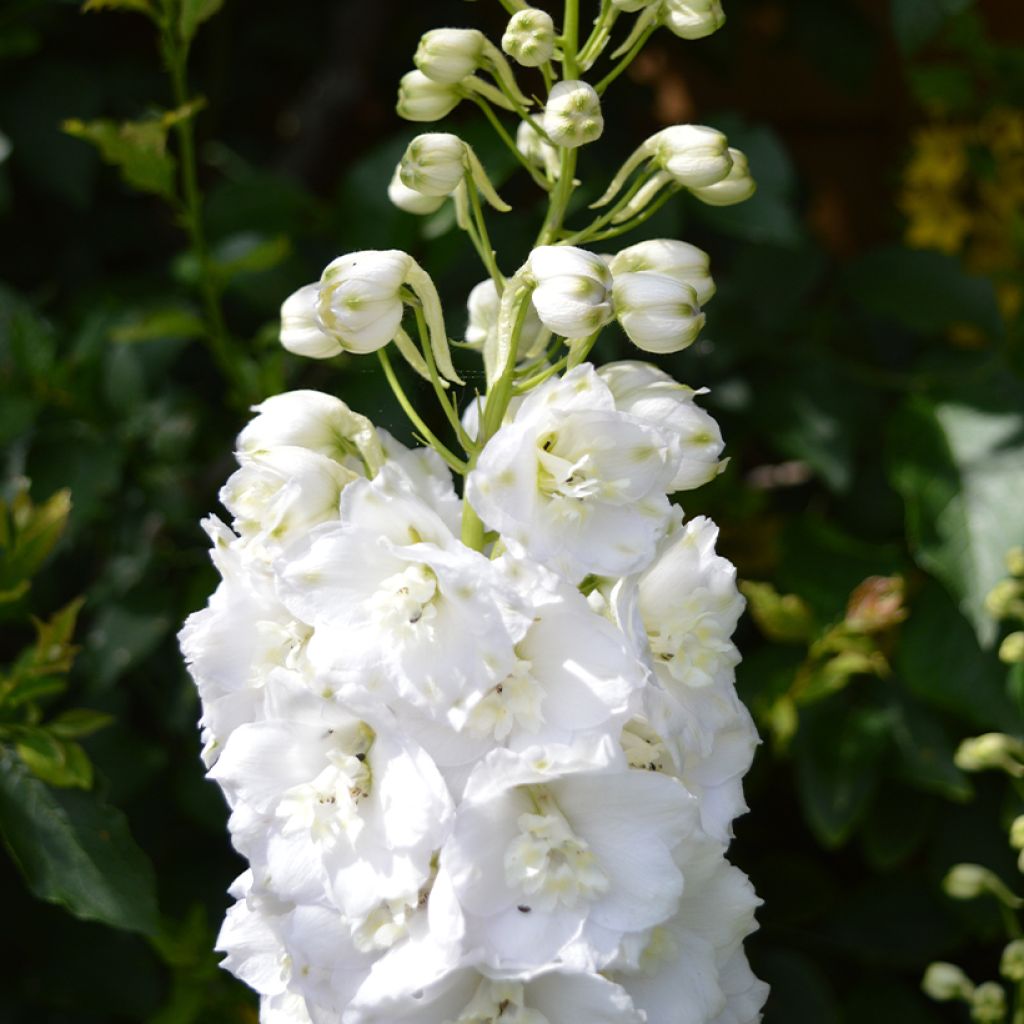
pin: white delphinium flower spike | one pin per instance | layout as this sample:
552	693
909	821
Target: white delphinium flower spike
575	484
529	38
572	116
736	187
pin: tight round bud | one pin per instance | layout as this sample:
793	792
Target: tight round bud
692	19
990	750
409	200
448	55
684	262
658	313
422	99
572	116
1011	963
573	293
694	155
969	881
530	37
1011	650
301	330
1017	833
434	164
988	1003
736	187
1005	599
944	981
1015	561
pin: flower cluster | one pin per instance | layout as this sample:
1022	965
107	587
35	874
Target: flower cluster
481	744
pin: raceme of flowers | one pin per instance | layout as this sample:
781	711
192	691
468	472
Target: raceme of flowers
482	744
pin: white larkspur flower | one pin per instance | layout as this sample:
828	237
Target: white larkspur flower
572	116
573	293
745	994
692	19
393	597
423	99
449	55
650	394
437	163
529	38
483	306
658	313
543	863
409	200
736	187
684	262
574	484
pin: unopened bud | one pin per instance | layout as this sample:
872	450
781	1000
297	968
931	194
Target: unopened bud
692	19
448	55
1015	561
969	881
573	293
422	99
537	150
1017	833
988	751
1011	963
988	1004
944	981
484	305
684	262
530	37
736	187
657	312
1006	599
1011	650
572	116
409	200
436	163
301	330
694	155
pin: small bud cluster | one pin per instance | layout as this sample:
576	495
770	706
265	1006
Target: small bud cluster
482	746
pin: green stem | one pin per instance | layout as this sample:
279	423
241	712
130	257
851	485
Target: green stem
435	379
559	198
625	62
500	394
414	417
487	253
510	142
570	36
594	46
531	382
472	527
639	219
586	233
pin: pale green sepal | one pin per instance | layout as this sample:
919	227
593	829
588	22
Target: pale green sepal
640	26
502	71
419	280
412	355
638	157
499	345
463	213
482	182
487	91
647	191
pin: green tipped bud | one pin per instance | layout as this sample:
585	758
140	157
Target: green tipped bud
943	982
530	37
422	99
988	1004
969	881
991	750
573	116
449	55
1017	833
1015	561
1011	964
1006	599
1011	650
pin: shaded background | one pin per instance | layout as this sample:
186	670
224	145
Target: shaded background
864	358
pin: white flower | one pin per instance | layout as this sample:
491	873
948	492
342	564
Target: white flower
483	306
392	596
537	150
423	99
694	155
448	55
321	423
529	38
572	116
735	187
301	330
684	262
409	200
573	483
692	19
573	293
544	866
652	395
745	994
437	163
658	313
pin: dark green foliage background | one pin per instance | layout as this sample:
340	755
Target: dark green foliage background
824	345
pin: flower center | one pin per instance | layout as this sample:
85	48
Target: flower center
565	477
515	701
498	1001
644	748
550	863
406	599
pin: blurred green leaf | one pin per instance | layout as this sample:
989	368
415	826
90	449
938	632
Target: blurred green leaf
194	13
141	6
960	470
75	851
926	751
800	992
784	618
923	291
78	722
916	22
137	148
155	324
55	761
28	533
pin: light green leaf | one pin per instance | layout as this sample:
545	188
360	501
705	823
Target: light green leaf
137	148
54	761
960	470
157	324
141	6
75	851
194	13
28	533
78	722
783	618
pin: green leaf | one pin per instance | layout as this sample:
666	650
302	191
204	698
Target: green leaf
783	618
28	533
54	761
926	752
960	471
194	13
916	22
141	6
158	324
75	851
78	722
838	753
924	291
137	148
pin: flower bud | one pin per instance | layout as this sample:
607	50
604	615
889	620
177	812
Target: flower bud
1015	561
944	981
990	750
1017	833
988	1003
573	293
1011	963
422	99
572	116
694	155
301	330
1004	600
408	199
436	163
484	306
360	301
530	37
736	187
1011	650
692	19
684	262
537	150
969	881
657	312
448	55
